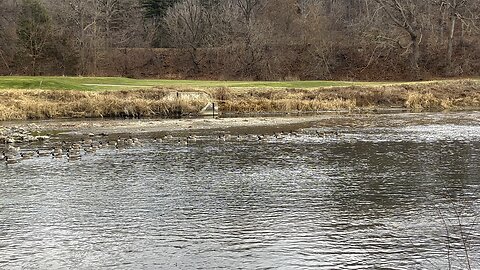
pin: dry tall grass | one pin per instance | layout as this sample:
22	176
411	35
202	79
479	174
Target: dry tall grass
42	104
459	95
435	96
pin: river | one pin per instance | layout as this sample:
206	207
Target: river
396	191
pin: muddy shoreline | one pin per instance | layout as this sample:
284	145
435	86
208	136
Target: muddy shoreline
45	130
50	129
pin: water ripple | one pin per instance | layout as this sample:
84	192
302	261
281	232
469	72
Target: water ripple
371	198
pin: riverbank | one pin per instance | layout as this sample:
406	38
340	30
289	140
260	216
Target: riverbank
25	132
168	102
22	132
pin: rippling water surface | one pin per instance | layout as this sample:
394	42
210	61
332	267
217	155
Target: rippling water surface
390	192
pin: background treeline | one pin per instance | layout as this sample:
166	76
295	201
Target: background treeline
242	39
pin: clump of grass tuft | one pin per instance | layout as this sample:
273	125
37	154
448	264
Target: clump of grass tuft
419	102
222	94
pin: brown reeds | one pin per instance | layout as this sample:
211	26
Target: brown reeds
433	96
458	95
43	104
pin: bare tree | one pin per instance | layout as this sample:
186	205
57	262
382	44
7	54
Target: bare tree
406	15
82	18
8	14
118	23
188	26
257	39
463	11
34	31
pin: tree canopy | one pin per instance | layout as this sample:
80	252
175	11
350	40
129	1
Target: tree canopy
242	39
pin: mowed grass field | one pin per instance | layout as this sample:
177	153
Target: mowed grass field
118	83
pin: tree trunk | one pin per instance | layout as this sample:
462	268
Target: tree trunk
82	43
94	50
5	61
95	39
193	58
34	65
415	55
450	42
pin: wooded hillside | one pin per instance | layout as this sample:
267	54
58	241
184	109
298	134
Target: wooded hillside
242	39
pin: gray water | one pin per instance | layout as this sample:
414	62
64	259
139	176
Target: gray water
390	192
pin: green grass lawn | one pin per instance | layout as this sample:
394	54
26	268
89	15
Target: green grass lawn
117	83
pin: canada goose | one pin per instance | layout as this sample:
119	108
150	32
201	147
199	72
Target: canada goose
10	159
320	134
76	146
94	146
129	142
26	155
87	141
192	138
43	153
136	142
89	149
100	145
57	152
183	142
114	144
222	138
74	155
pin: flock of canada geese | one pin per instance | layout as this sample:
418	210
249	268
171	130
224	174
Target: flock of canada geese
13	154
